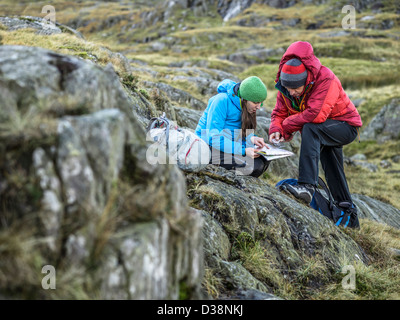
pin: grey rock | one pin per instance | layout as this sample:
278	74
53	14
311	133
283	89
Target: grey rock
226	196
281	4
76	249
362	5
291	22
90	156
253	294
205	86
50	217
360	160
366	165
376	25
333	34
358	157
156	46
253	55
255	20
396	159
230	9
143	253
150	247
140	264
205	81
385	125
376	7
217	243
377	210
396	252
385	164
43	26
367	18
187	118
226	9
57	84
179	96
144	69
358	102
264	113
238	278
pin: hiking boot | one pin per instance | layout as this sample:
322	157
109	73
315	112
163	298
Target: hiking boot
301	191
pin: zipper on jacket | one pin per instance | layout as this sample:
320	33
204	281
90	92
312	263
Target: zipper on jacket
308	88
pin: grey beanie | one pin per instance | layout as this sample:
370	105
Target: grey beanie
293	74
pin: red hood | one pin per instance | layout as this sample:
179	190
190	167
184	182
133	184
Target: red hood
305	53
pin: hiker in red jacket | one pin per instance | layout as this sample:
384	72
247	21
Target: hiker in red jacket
311	100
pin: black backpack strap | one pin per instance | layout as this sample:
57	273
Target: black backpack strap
153	123
322	183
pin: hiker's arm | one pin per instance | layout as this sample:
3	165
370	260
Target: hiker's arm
330	96
278	115
319	107
249	141
217	135
258	142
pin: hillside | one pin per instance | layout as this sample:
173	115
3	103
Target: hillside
160	56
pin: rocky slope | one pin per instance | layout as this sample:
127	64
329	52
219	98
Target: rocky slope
77	193
77	188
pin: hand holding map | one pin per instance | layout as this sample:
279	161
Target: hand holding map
272	153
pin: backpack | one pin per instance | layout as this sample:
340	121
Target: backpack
325	206
181	146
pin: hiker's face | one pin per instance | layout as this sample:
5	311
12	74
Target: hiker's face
296	92
252	107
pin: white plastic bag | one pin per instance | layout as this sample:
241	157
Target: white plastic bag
182	146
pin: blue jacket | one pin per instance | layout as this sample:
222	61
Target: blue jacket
221	123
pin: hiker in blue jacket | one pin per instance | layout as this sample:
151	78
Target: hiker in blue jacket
228	125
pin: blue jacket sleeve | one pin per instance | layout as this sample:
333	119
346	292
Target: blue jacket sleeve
247	143
216	134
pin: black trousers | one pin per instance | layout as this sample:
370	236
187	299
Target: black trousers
325	141
243	164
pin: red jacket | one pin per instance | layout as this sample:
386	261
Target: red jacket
324	97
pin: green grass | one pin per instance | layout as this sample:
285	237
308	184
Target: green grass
262	263
374	150
212	283
374	99
353	74
380	279
359	74
315	279
383	185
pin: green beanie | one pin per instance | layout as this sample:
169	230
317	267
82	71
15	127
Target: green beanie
253	89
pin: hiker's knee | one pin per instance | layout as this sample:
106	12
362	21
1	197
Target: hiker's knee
260	166
309	127
310	130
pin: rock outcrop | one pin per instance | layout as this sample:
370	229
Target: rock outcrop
376	210
75	179
77	193
385	125
256	54
242	213
42	26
